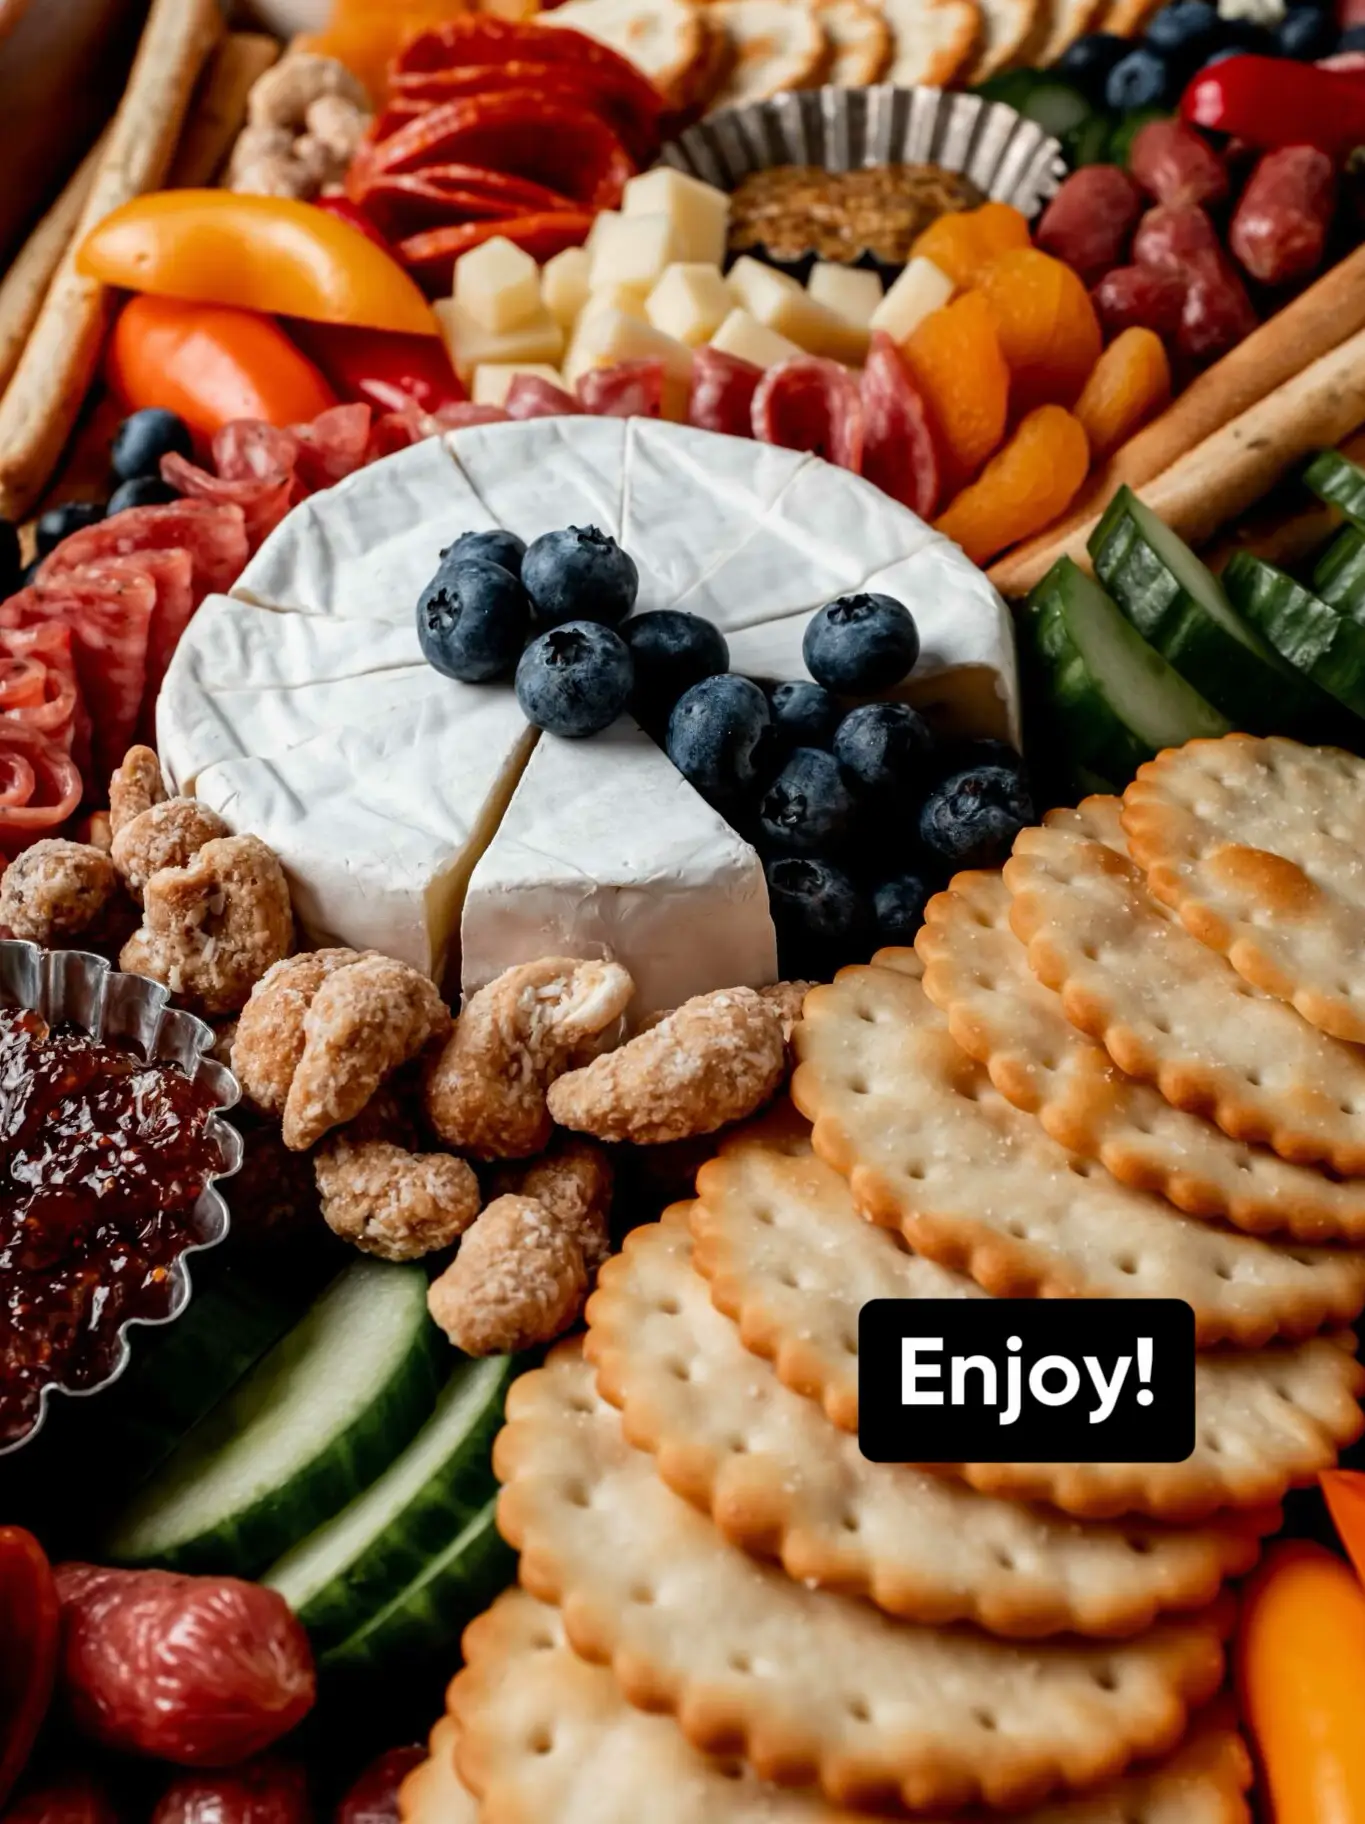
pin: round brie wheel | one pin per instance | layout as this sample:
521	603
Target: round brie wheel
422	817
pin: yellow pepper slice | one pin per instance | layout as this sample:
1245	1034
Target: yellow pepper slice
265	253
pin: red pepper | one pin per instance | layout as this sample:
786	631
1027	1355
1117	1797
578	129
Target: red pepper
29	1632
1269	102
385	370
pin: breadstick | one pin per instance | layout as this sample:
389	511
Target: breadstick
1318	320
1289	534
1229	471
219	107
24	286
54	373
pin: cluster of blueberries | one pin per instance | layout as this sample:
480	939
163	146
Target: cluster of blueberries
1186	36
139	444
858	814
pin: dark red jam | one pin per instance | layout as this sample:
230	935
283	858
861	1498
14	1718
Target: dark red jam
102	1160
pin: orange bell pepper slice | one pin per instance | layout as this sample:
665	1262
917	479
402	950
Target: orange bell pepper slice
1344	1492
1300	1673
262	253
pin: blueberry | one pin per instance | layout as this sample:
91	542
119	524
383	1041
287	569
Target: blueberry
1306	34
1186	29
898	909
60	522
804	714
142	491
861	644
809	808
498	547
718	734
1142	79
1089	60
472	621
142	440
574	680
1352	39
883	745
815	906
579	574
973	817
672	652
11	565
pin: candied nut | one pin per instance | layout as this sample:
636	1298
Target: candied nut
574	1181
391	1202
269	1042
134	787
363	1021
56	889
284	94
485	1093
165	835
786	1000
337	123
714	1060
518	1280
210	930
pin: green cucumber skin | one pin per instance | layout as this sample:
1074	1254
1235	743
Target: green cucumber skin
429	1616
426	1525
1257	696
1326	646
244	1543
1339	576
1095	737
1337	480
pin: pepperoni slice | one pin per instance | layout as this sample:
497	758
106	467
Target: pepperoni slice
630	389
432	256
598	86
722	395
809	403
214	534
404	206
482	38
898	450
40	786
333	445
533	396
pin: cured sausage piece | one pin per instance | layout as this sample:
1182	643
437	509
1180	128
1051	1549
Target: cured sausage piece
1088	223
432	255
253	468
70	1798
1279	230
1217	312
331	447
722	395
1175	164
1142	297
28	1628
532	396
171	573
213	533
809	403
401	207
40	787
262	1792
1170	235
596	86
898	449
630	389
373	1799
202	1671
38	684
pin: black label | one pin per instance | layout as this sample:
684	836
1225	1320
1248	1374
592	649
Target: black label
1017	1380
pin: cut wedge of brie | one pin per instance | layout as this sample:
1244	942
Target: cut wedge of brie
422	817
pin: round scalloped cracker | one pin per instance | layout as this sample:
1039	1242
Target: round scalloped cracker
789	1259
929	1145
814	1688
434	1793
1170	1010
932	40
547	1736
976	972
1010	30
783	1482
775	45
1256	843
664	39
1067	20
1125	18
859	40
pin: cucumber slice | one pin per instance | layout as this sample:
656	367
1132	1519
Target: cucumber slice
1117	700
1179	606
1337	480
432	1612
1013	87
1339	576
1056	106
346	1571
1326	646
312	1424
1087	143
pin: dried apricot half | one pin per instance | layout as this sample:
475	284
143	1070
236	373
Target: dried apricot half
964	244
1129	384
1048	329
1033	479
957	364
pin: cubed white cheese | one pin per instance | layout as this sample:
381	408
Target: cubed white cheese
604	337
700	213
564	285
603	223
851	292
492	379
632	250
779	303
627	298
743	335
690	302
498	285
921	289
606	851
471	343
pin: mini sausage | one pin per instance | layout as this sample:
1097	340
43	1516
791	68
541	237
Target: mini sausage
1217	312
1280	228
1140	297
1172	235
1089	221
259	1792
1175	164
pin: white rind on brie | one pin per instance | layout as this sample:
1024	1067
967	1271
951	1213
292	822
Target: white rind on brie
606	851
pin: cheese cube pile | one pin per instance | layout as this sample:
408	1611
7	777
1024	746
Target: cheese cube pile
649	283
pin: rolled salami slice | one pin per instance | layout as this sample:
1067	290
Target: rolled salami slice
809	403
898	449
722	396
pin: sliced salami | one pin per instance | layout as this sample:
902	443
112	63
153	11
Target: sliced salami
38	682
532	396
630	389
332	446
809	403
214	534
40	786
898	450
253	468
172	575
722	395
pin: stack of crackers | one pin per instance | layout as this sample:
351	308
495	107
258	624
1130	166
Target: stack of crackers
1129	1065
